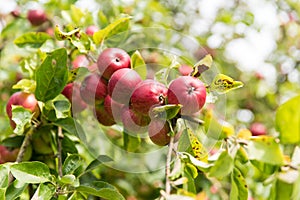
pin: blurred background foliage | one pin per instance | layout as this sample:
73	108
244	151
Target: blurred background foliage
255	41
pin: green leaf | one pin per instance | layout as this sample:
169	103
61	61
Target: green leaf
190	184
31	172
116	27
223	84
239	188
22	117
70	125
223	166
287	121
265	149
15	189
138	64
2	193
45	191
282	190
131	143
32	39
68	145
203	166
13	141
26	85
68	179
101	189
166	111
72	163
51	75
202	65
61	105
98	161
4	173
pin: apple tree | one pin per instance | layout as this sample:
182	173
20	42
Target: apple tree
105	104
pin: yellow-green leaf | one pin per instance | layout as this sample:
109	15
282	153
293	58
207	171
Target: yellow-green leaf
223	84
202	65
117	26
26	85
138	64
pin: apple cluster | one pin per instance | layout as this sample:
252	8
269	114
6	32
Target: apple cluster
119	95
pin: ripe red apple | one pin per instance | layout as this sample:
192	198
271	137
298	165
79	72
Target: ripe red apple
113	108
147	94
111	60
7	155
90	30
122	83
134	122
36	17
258	128
80	61
158	131
72	92
185	70
93	89
188	91
103	116
26	100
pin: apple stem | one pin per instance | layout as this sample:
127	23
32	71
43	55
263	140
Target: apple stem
25	144
60	136
168	166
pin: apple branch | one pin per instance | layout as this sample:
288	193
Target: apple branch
60	136
25	144
168	166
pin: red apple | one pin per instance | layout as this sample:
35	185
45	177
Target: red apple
258	128
134	122
93	89
90	30
72	92
80	61
147	94
188	91
113	108
185	70
103	116
7	155
36	17
26	100
122	83
111	60
158	131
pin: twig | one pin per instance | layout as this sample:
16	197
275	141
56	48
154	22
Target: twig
24	145
22	150
168	165
60	136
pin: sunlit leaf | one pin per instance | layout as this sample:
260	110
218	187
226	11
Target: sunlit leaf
223	166
26	85
15	189
32	39
166	111
202	65
288	121
101	189
115	27
239	188
4	174
45	191
138	64
223	84
31	172
265	149
22	118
